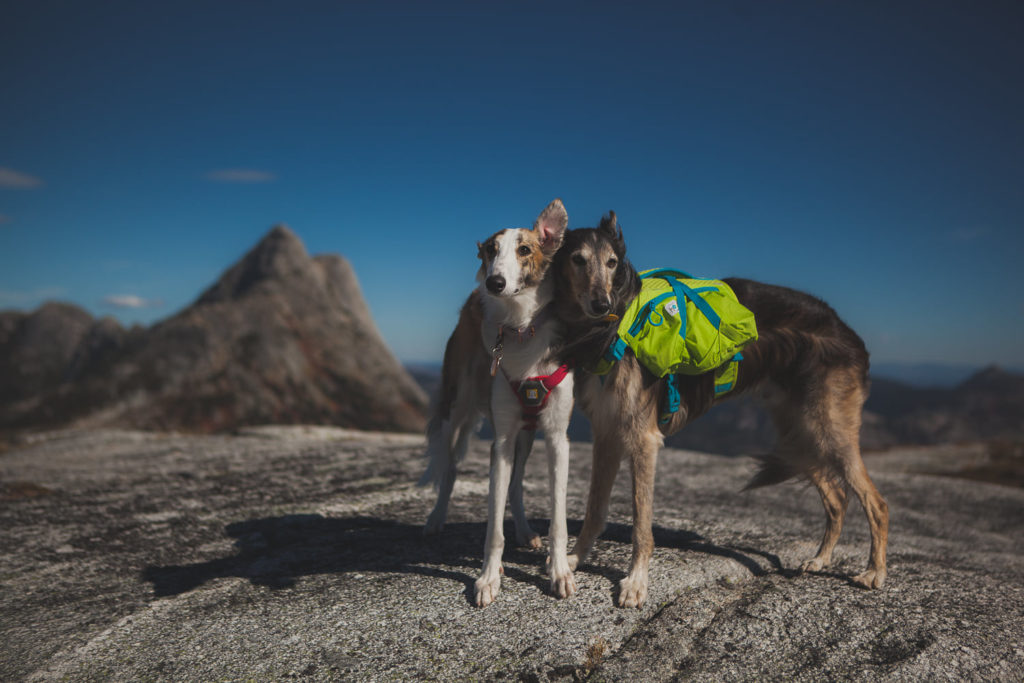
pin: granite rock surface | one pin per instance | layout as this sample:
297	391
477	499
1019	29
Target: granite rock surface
293	553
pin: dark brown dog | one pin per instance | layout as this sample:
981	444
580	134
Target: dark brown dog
811	368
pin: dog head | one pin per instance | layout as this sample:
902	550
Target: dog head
517	259
595	280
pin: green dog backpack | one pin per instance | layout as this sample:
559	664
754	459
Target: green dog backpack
682	325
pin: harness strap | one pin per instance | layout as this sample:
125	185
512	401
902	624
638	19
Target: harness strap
533	392
615	350
671	400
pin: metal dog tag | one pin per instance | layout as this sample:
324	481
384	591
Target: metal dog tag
496	352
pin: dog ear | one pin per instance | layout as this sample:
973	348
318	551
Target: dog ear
610	225
551	224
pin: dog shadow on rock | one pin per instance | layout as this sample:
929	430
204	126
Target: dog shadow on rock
276	551
686	541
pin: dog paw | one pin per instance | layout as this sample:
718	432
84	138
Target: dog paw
434	525
814	565
487	590
632	592
872	578
531	539
563	585
563	581
574	561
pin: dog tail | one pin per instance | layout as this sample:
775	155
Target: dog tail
447	444
438	453
772	469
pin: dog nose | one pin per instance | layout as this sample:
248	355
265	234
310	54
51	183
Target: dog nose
495	284
600	306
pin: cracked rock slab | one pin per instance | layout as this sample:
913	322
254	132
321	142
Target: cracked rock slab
297	554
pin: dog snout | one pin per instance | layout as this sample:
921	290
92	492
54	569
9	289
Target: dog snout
495	284
600	306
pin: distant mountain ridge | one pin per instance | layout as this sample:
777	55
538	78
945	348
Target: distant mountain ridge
928	375
280	337
987	405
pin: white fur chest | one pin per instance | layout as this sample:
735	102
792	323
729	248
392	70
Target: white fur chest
510	332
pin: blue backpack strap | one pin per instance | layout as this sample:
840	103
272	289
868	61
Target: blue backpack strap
662	272
615	350
684	292
644	314
671	399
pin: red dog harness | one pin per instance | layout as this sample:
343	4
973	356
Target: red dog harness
533	392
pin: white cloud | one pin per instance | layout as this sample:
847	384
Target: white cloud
16	180
240	175
131	301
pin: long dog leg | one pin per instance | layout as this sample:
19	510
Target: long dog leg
555	421
441	457
525	535
563	583
844	402
489	583
877	511
835	500
633	588
607	454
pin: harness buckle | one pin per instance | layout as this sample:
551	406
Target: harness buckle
532	393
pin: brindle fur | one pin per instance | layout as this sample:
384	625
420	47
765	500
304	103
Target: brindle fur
463	355
811	368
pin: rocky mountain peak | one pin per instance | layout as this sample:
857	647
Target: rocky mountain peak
279	255
279	338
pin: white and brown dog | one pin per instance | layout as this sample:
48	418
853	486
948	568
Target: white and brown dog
508	325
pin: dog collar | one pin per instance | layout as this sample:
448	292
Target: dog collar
521	334
527	331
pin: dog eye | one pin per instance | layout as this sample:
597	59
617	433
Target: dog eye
524	251
579	260
612	263
492	250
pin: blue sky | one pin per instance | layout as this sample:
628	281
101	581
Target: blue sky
871	153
